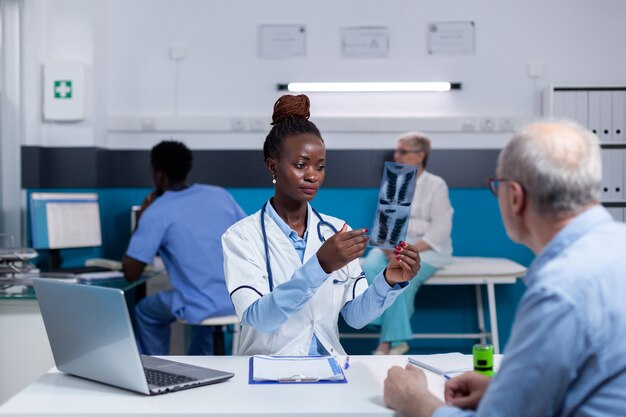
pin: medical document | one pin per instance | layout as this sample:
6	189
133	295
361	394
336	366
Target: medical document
444	363
394	205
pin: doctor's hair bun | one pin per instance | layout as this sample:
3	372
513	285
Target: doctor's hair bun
294	106
290	119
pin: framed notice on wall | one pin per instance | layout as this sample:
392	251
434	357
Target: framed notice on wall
365	42
282	41
451	38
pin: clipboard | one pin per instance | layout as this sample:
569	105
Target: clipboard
286	364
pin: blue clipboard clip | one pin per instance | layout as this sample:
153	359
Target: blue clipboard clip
298	378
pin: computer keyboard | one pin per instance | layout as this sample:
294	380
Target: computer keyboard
80	270
17	253
165	379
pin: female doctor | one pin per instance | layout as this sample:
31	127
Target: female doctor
290	270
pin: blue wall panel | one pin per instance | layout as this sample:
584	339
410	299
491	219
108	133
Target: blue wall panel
477	231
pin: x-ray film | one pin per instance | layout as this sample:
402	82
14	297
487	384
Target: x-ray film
394	205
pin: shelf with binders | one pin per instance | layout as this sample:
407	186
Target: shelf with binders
613	175
602	110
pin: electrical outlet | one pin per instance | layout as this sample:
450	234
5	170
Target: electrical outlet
178	52
487	124
258	124
535	69
469	125
237	124
506	124
148	123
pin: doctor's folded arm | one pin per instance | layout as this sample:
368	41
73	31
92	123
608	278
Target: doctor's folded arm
291	270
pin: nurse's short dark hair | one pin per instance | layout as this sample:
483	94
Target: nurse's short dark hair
290	118
173	158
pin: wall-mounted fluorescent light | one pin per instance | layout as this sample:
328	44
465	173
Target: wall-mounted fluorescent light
369	87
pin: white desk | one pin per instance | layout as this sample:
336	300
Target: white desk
471	271
58	394
25	352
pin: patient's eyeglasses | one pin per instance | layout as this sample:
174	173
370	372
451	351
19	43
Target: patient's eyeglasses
494	184
405	151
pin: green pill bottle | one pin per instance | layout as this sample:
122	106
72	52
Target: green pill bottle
483	359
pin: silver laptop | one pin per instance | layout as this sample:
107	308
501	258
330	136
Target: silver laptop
91	336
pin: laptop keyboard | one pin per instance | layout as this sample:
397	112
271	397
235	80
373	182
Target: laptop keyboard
11	253
80	270
164	379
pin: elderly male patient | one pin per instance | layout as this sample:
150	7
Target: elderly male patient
566	354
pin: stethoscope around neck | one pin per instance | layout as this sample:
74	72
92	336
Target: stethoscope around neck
320	234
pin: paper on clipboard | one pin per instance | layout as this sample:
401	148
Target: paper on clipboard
444	363
272	369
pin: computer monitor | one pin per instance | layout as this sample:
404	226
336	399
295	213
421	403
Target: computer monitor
134	217
64	220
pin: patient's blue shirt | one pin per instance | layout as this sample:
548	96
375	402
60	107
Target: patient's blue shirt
566	355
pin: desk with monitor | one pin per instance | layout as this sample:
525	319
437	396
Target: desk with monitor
63	221
55	221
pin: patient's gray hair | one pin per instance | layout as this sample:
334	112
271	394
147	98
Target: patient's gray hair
558	164
419	141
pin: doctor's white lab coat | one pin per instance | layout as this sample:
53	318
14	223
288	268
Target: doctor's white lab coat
247	281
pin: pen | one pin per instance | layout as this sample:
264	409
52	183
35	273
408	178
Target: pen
347	364
447	377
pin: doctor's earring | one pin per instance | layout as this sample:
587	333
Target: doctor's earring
273	179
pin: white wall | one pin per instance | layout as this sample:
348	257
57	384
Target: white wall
64	30
125	44
10	122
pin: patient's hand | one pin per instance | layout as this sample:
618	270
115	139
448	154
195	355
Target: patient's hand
466	391
406	391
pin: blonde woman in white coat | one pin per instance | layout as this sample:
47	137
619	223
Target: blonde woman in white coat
290	270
